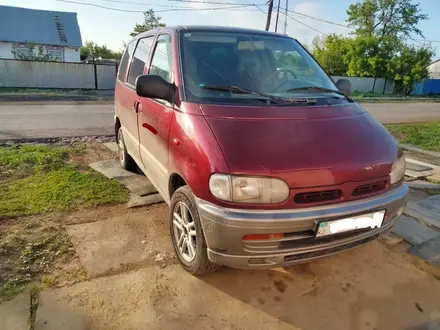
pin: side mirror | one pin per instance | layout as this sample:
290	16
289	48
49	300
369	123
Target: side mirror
345	86
154	87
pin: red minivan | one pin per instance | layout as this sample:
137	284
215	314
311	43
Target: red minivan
263	160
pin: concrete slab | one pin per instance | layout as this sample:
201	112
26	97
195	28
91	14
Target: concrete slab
413	231
419	162
137	184
111	169
149	298
420	184
137	201
417	167
427	211
14	314
429	251
51	315
374	287
112	146
418	174
124	242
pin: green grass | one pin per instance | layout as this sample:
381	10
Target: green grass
38	179
425	136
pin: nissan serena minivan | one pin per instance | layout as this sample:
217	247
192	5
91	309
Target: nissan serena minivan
263	160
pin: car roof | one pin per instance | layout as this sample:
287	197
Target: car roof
209	28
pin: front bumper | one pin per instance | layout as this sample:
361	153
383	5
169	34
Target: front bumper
224	229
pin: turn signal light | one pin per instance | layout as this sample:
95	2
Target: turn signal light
259	237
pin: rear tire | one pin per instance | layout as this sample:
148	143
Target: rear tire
187	234
125	159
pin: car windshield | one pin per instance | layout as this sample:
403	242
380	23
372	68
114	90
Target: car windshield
267	64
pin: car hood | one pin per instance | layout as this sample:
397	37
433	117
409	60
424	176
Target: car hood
305	146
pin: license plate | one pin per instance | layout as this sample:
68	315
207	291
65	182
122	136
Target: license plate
370	220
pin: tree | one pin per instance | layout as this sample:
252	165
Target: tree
385	18
151	21
35	53
329	52
90	49
410	66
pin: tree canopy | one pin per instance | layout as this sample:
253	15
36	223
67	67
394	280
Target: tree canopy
151	21
378	45
93	50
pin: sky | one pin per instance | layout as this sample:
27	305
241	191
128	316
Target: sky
111	27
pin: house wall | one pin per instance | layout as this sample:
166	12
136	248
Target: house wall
434	70
6	50
70	54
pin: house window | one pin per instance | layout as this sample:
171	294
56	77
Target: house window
21	53
57	55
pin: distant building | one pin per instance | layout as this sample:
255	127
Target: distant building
58	32
434	69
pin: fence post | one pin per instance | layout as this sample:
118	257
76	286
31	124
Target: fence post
384	86
96	75
374	84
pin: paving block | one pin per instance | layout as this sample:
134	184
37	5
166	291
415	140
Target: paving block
413	231
426	210
113	146
108	245
137	201
429	251
14	314
111	169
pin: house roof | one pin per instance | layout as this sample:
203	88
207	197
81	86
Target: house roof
45	27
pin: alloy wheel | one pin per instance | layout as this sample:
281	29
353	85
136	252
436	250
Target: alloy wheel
184	230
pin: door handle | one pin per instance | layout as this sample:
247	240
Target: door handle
136	106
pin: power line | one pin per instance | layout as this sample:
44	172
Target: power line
157	11
215	2
306	25
144	4
317	18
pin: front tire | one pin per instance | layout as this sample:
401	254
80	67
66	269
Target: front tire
125	159
187	234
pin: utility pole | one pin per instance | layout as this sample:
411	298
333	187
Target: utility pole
278	15
269	14
285	17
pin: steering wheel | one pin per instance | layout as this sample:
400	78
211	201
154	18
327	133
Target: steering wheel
284	81
285	72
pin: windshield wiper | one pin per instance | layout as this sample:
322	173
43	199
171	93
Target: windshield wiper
267	97
320	89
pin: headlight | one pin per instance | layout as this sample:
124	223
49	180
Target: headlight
242	189
398	170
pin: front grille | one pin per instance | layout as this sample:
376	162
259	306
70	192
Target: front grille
367	189
318	196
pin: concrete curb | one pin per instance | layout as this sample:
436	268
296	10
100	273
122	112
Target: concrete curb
54	98
410	147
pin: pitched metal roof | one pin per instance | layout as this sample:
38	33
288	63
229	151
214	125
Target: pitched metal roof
39	26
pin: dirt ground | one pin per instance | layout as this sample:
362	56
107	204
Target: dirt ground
118	272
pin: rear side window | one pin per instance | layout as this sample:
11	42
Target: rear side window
139	59
124	62
161	62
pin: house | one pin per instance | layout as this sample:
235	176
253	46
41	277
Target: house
57	32
434	69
